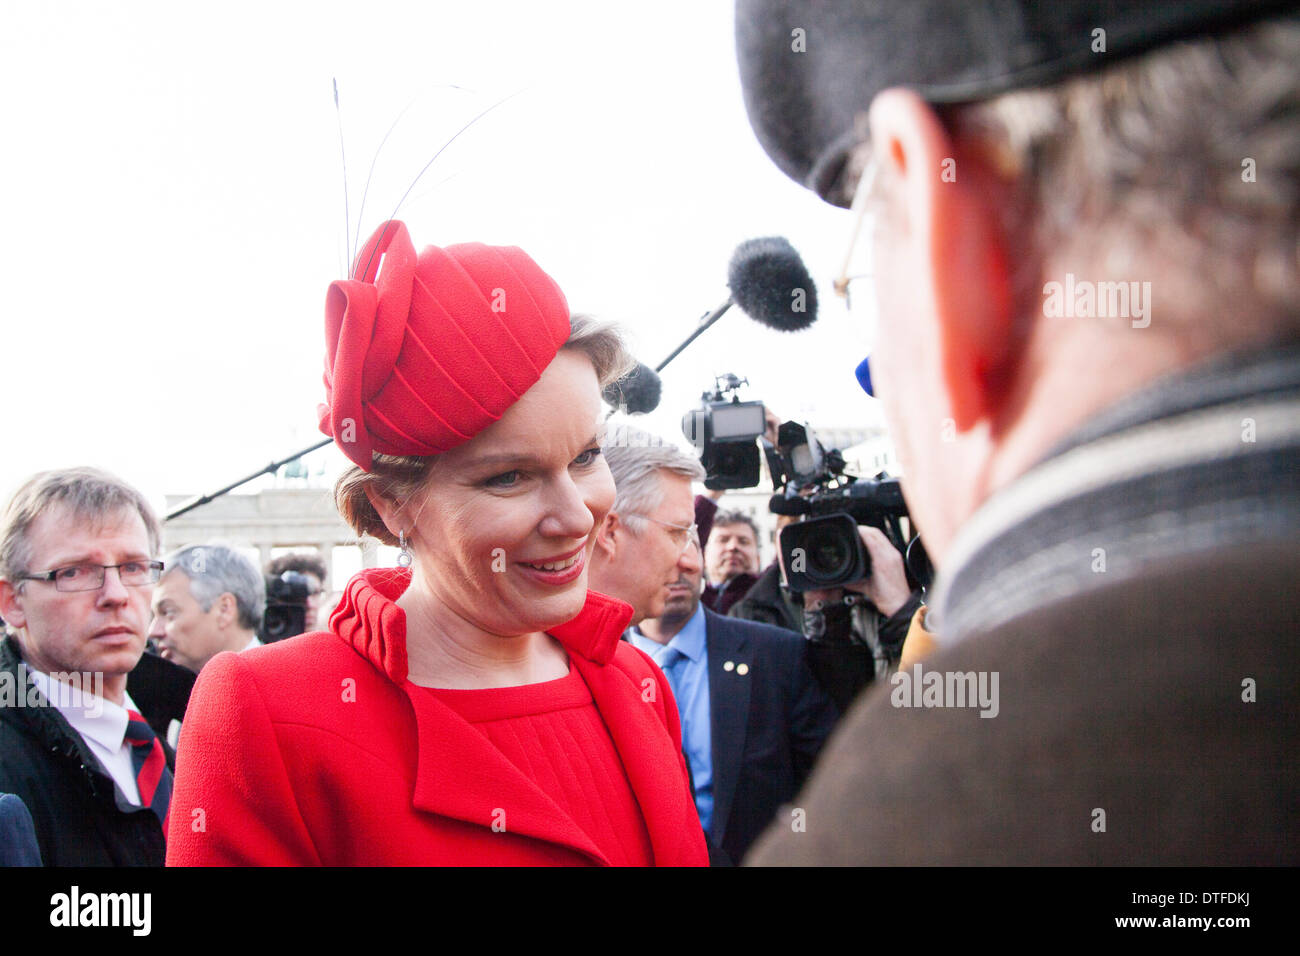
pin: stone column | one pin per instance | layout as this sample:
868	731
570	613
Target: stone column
326	549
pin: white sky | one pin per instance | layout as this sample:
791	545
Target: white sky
172	200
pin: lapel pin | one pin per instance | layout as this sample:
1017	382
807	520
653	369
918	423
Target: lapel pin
742	669
730	665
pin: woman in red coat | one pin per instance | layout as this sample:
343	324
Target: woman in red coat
478	707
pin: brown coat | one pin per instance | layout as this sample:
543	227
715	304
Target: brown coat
1128	700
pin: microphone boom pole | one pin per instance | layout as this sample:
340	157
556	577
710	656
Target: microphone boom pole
705	321
270	469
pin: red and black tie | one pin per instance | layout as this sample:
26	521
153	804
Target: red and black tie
151	773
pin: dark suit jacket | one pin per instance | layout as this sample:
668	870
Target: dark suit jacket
18	845
768	721
161	690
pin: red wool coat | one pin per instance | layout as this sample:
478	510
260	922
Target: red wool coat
318	750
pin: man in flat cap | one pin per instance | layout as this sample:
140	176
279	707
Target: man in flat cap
1080	224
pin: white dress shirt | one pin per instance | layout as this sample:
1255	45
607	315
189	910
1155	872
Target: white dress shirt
101	724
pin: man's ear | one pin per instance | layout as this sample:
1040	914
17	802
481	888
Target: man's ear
227	609
950	202
388	513
607	535
11	608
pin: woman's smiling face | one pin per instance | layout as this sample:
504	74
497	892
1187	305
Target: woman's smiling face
503	530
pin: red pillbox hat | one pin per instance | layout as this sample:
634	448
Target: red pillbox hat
424	352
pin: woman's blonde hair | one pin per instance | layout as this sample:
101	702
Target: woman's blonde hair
398	477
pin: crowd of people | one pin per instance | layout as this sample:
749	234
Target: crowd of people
579	660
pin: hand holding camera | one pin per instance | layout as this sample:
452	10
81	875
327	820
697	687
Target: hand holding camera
885	586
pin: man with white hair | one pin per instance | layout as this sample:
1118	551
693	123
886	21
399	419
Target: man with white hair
210	599
1079	222
753	717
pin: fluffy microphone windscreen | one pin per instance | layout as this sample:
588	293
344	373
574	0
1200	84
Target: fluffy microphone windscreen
769	281
637	392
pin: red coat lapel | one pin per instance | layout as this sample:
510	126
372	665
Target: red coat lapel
635	717
652	761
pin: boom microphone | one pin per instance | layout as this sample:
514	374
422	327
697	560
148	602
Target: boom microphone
770	283
637	392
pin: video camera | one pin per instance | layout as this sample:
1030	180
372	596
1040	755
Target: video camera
723	431
824	550
286	606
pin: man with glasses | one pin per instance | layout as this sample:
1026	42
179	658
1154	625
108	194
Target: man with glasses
753	718
649	538
77	571
1078	222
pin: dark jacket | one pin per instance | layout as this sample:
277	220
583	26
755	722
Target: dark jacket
18	845
72	799
768	720
769	603
723	597
1134	615
161	690
843	667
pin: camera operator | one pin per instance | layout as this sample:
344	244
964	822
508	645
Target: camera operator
856	632
294	583
859	603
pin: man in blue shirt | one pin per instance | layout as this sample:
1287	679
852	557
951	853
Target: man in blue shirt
676	641
753	718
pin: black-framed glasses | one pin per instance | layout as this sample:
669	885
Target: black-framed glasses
90	577
683	535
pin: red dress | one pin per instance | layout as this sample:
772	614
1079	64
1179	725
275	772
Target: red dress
554	735
319	750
